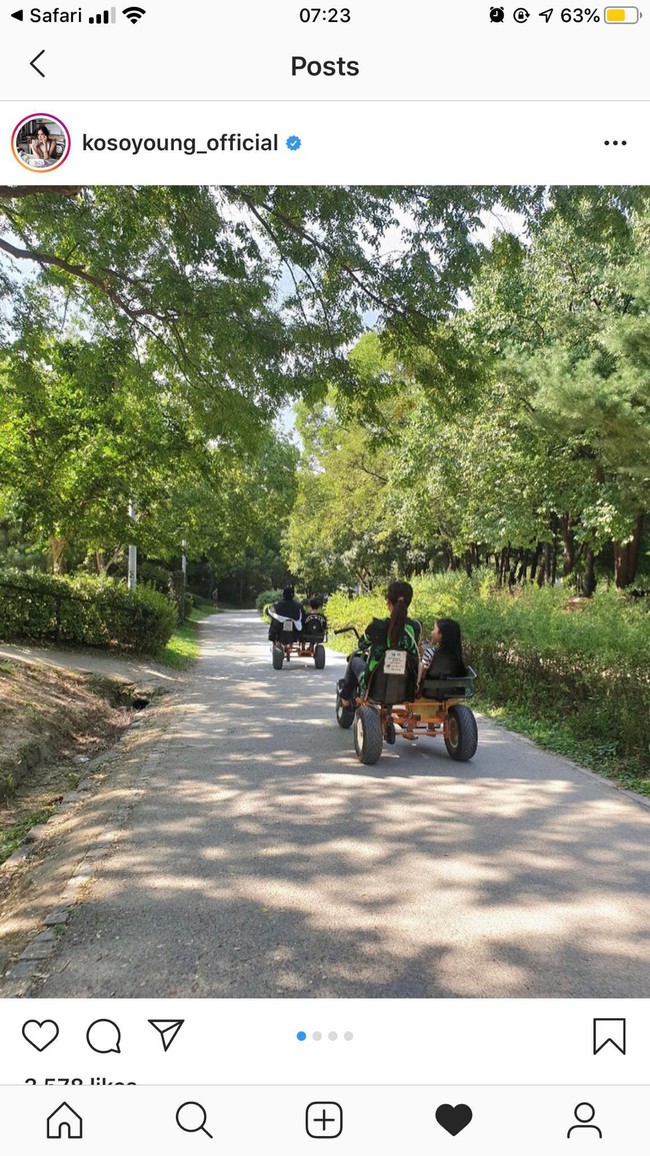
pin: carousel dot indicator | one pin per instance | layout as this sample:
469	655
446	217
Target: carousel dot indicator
301	1036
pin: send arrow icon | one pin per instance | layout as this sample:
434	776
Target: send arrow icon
168	1030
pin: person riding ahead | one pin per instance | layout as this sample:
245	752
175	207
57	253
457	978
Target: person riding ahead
286	609
396	632
315	623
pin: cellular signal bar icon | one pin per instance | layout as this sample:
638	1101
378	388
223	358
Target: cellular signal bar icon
108	16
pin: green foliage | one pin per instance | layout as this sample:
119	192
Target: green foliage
83	611
191	274
564	321
182	648
265	599
500	408
585	664
13	835
346	526
155	575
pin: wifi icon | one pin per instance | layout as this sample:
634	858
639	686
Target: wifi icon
133	13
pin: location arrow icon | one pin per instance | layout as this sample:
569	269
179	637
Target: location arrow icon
168	1030
18	15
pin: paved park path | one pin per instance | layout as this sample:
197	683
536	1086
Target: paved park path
263	860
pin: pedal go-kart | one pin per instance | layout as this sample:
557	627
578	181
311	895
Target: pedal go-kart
382	712
300	643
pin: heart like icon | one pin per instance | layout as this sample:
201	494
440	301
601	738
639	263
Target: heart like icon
453	1119
40	1035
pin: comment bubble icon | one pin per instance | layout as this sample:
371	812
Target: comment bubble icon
103	1036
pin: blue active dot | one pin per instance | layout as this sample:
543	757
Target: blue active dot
302	1035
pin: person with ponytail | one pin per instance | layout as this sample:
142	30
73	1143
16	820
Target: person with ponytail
397	631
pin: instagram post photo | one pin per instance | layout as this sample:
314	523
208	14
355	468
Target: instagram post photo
324	590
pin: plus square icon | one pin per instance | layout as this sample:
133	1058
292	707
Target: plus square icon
324	1120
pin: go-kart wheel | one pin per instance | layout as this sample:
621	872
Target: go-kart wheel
462	740
319	656
389	733
344	714
278	657
368	739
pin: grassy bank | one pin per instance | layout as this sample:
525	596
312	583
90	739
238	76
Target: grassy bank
183	646
572	675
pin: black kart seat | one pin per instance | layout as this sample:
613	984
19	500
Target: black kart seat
390	689
450	686
314	629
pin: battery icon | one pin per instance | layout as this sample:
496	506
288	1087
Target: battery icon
621	16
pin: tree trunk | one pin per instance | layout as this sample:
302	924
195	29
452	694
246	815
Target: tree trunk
589	580
57	547
569	546
534	563
512	576
544	571
626	557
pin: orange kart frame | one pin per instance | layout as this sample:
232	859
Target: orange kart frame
425	716
383	708
431	714
444	713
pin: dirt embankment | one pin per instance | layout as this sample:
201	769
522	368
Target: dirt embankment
51	723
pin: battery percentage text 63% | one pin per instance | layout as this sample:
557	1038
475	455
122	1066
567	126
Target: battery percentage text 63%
574	15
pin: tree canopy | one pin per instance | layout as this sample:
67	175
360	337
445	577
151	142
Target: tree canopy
470	368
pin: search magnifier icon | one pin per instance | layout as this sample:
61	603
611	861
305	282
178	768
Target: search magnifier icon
192	1117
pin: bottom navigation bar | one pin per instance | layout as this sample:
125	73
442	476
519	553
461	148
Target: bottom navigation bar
383	1120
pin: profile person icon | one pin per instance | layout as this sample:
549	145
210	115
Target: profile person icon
584	1113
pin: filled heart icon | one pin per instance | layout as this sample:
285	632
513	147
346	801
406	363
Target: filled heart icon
40	1035
453	1119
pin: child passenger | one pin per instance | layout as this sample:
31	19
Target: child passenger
315	620
445	654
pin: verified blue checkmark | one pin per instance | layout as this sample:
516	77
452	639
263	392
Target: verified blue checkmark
293	143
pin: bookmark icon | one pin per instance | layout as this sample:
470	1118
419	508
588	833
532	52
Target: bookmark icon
609	1031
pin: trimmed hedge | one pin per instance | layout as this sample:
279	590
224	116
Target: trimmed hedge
265	599
584	664
83	611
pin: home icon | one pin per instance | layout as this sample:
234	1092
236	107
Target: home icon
64	1123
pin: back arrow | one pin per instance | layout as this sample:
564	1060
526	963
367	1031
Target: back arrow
33	63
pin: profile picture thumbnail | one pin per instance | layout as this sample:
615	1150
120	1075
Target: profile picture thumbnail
40	142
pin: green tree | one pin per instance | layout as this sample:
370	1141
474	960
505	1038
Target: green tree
566	312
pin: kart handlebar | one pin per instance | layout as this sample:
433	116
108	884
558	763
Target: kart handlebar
348	630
